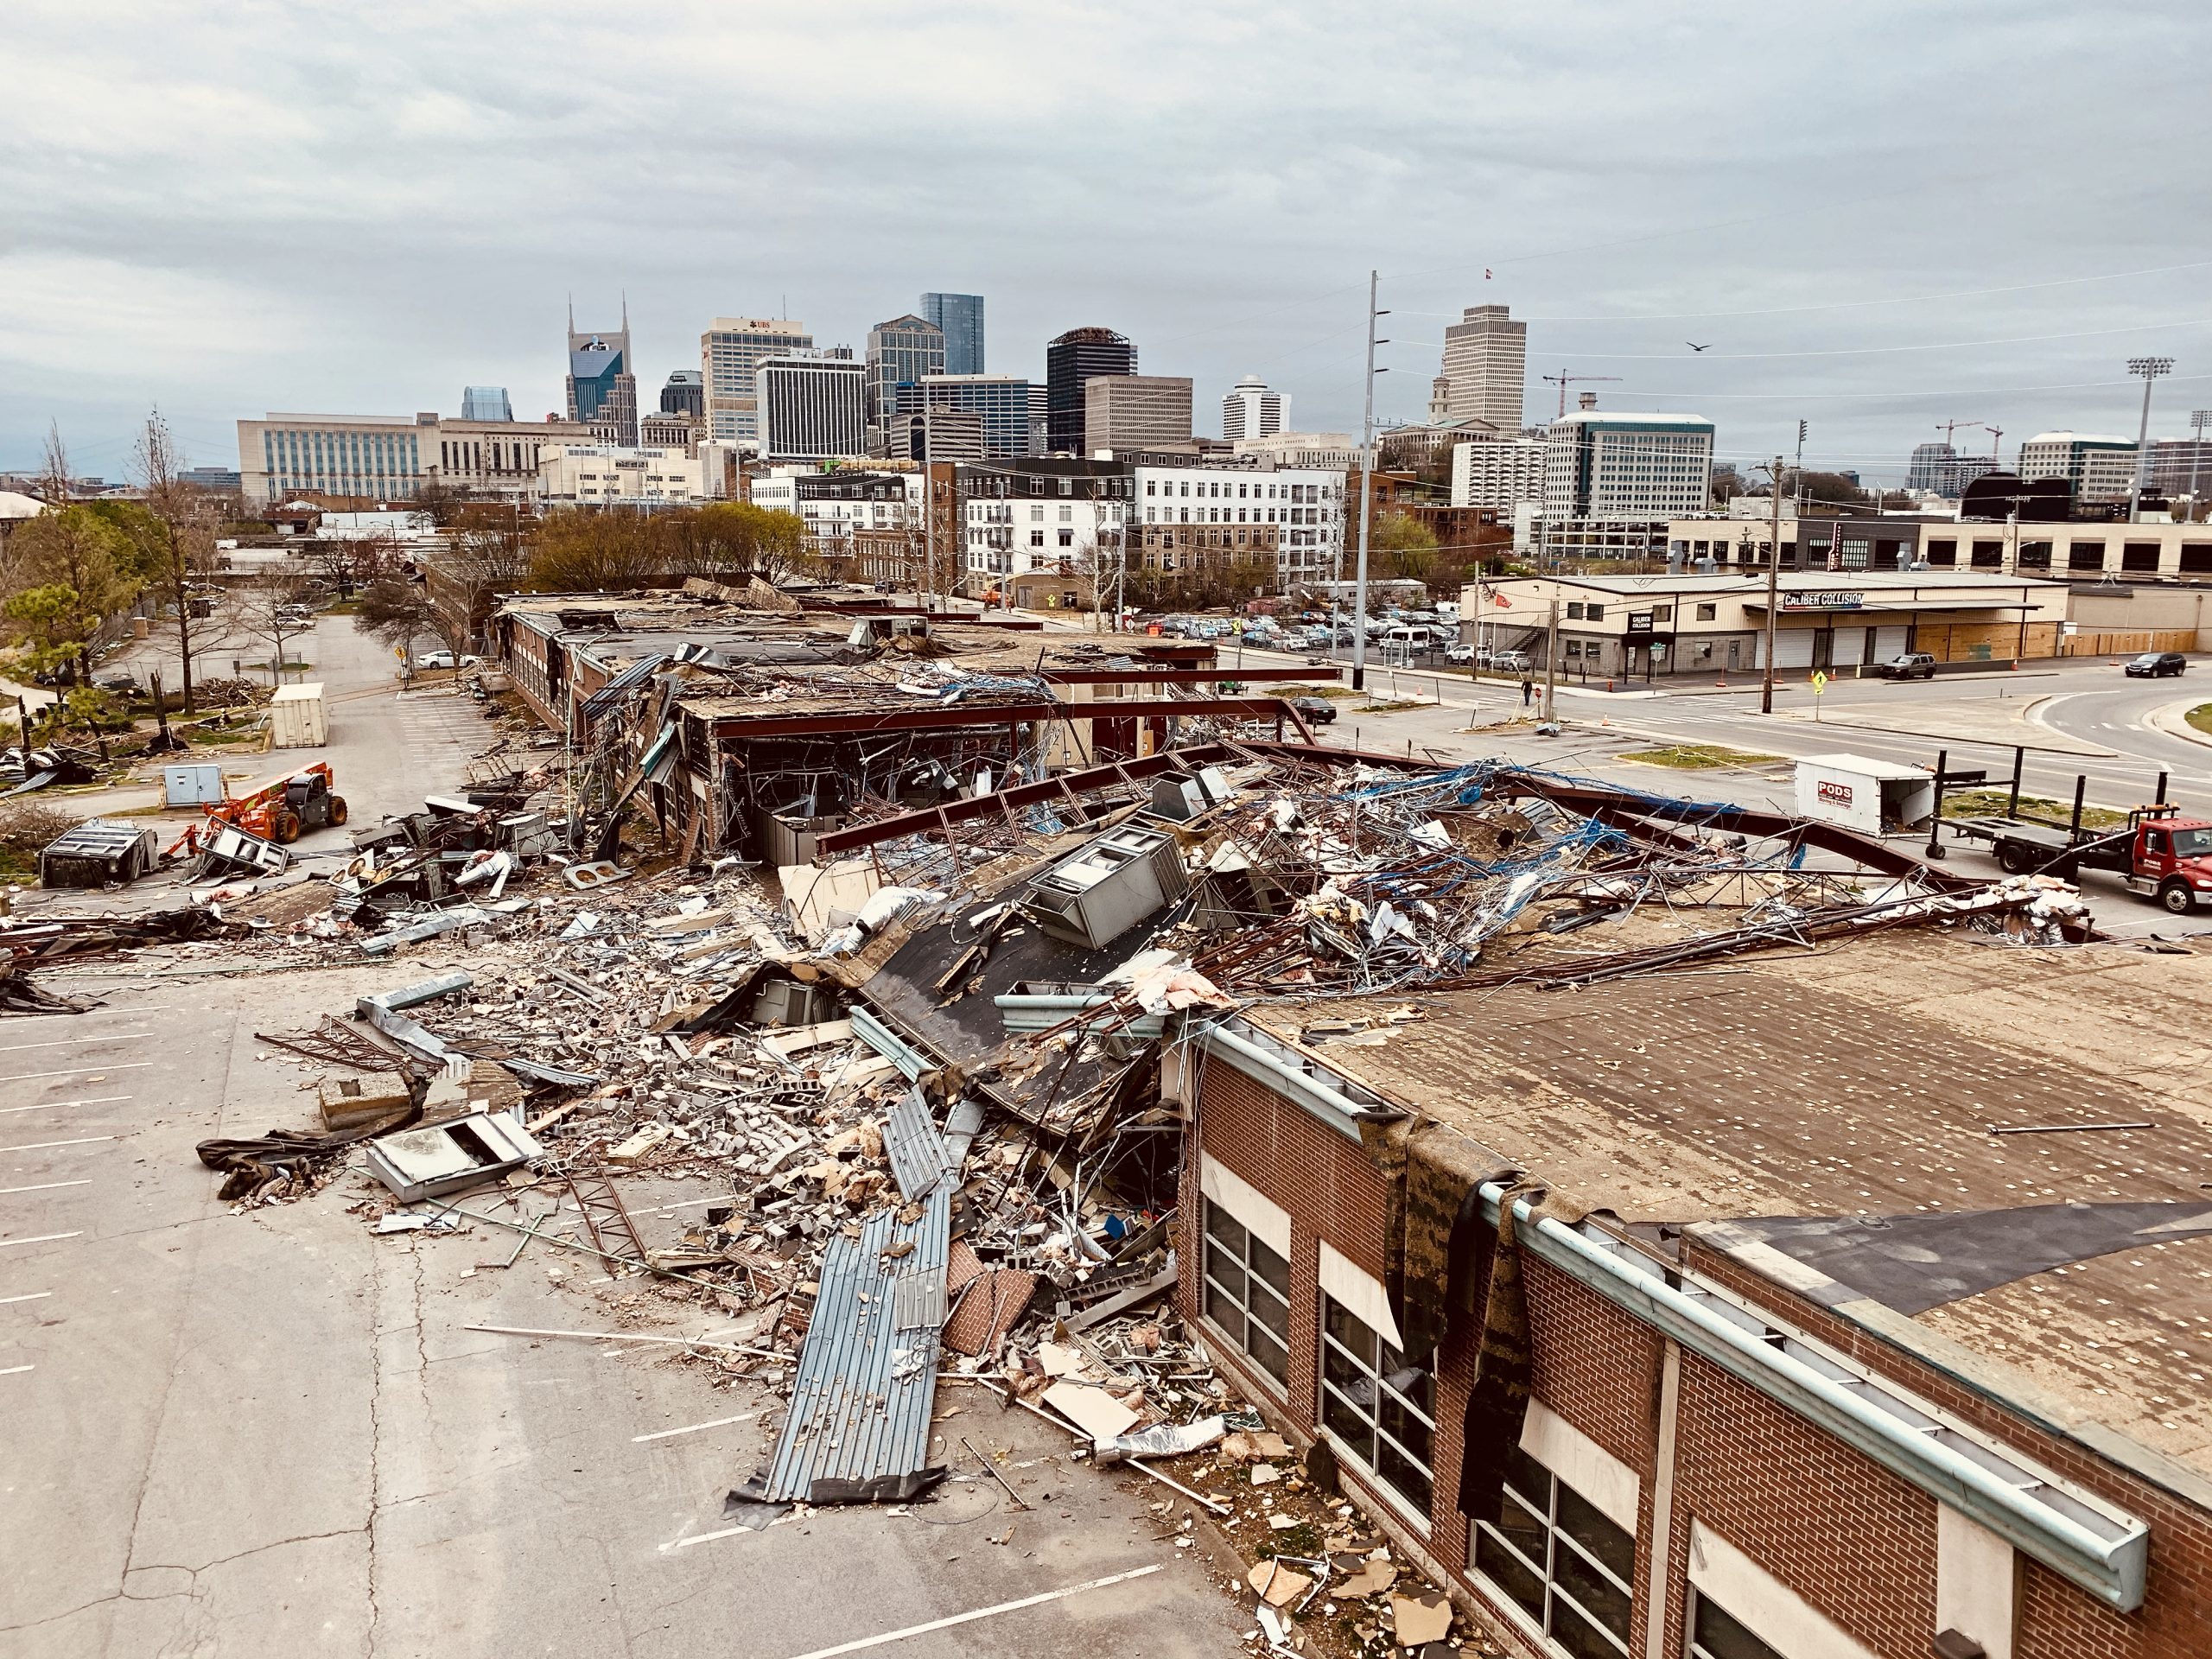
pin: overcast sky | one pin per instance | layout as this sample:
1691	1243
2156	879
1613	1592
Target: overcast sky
1878	217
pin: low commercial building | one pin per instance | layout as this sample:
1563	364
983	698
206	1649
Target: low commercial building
608	475
2084	552
1646	627
381	458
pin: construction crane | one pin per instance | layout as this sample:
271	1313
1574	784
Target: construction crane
1563	381
1949	427
1996	436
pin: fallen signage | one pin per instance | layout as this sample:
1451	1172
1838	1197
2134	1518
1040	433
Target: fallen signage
451	1157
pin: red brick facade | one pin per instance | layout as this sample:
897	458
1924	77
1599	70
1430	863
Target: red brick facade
1855	1543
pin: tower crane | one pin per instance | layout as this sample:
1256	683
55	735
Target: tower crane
1563	381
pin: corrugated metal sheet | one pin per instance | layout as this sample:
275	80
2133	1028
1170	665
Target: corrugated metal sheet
918	1156
858	1429
608	695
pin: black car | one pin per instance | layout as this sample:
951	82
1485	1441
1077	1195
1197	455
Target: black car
2157	665
1317	711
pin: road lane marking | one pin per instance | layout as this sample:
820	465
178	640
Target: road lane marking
44	1186
131	1014
56	1105
945	1624
693	1428
66	1042
14	1371
80	1070
30	1296
41	1146
43	1239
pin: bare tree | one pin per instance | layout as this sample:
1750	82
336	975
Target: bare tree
272	611
182	558
53	468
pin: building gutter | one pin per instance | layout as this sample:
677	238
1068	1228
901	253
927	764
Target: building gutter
1269	1063
1996	1489
1028	1011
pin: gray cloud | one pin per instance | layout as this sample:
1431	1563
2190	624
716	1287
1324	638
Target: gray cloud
320	206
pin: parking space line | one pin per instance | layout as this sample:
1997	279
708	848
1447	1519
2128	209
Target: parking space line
693	1428
41	1146
13	1370
29	1296
44	1186
65	1042
54	1105
79	1070
43	1239
133	1013
889	1636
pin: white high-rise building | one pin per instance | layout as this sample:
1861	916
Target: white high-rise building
1626	466
1486	366
2100	468
811	408
1251	410
729	352
1497	473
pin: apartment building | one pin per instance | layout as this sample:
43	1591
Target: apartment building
1042	526
1499	474
1296	513
843	504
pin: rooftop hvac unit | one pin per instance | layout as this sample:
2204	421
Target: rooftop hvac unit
96	853
1095	895
1183	797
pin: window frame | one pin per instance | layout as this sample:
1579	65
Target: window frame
1209	1283
1556	1538
1416	1507
1692	1649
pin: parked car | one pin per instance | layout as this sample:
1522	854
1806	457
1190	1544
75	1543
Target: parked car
1315	711
2157	665
1462	654
1509	661
1907	666
445	659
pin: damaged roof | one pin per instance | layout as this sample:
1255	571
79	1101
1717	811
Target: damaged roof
1836	1113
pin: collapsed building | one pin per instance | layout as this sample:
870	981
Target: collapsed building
1684	1231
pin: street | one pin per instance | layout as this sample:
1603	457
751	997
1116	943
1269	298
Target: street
270	1433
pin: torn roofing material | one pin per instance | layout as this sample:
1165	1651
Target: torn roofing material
858	1430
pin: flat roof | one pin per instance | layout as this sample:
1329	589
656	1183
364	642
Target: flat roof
1789	581
1836	1108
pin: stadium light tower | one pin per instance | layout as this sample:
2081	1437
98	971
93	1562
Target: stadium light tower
2150	368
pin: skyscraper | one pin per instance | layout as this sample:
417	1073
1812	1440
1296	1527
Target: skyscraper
1252	411
1078	355
904	349
1124	412
684	394
729	352
485	404
1003	402
1486	362
810	406
961	318
602	390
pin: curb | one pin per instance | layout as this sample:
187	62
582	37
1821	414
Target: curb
2173	722
1959	737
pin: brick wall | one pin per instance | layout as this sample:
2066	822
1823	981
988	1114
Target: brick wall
2056	1620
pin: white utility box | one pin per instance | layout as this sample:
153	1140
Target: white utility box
198	784
297	718
1877	797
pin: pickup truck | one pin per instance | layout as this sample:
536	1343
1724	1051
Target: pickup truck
2160	854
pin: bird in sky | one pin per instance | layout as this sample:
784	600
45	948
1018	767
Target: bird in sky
1695	346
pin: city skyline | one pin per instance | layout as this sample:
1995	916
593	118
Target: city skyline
2003	290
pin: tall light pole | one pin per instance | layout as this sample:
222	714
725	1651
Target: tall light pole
1366	496
2198	420
2150	368
1773	588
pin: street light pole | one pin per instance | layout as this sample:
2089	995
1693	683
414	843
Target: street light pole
2150	368
1773	591
1366	495
2198	420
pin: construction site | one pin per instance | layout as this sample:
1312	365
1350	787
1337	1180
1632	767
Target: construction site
1163	1184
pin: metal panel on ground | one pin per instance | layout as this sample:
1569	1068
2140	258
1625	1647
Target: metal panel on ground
858	1429
916	1149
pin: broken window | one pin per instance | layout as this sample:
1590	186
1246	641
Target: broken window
1248	1292
1715	1635
1380	1408
1563	1563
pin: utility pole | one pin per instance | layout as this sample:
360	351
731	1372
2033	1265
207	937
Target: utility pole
1773	593
2198	420
1366	495
2150	368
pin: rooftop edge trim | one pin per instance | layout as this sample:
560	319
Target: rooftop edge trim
2002	1491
